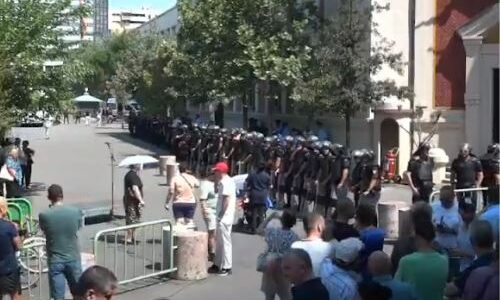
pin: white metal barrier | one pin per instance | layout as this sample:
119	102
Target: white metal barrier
32	261
150	255
434	195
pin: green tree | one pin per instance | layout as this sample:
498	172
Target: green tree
30	35
345	61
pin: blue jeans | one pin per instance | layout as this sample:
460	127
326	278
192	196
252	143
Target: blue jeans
58	272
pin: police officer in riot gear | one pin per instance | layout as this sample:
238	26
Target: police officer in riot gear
491	169
370	180
466	172
340	172
419	173
357	173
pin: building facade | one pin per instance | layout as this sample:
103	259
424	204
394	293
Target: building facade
101	11
125	20
456	80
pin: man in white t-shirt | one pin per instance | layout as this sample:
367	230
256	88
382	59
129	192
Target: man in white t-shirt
318	250
446	219
226	205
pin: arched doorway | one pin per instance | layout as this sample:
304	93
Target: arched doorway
389	137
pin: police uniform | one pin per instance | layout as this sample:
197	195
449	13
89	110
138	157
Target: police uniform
491	169
421	175
369	172
341	163
466	171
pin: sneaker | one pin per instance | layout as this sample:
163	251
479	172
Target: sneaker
213	269
224	272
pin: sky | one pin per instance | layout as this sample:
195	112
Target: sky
157	5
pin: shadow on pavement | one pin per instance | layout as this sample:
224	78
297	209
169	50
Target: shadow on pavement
126	138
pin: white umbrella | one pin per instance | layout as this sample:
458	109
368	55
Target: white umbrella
137	160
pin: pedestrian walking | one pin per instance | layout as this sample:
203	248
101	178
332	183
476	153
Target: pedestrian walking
27	163
99	118
208	205
298	269
97	283
60	223
87	119
181	194
133	200
78	116
65	116
279	237
258	185
10	242
47	124
226	206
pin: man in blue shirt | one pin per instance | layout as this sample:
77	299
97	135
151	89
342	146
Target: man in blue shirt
492	212
9	244
380	268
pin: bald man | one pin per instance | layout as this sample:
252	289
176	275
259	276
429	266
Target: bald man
297	267
380	267
313	244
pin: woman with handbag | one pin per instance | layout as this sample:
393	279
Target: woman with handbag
181	194
279	237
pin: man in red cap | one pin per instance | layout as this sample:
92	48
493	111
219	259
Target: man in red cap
226	205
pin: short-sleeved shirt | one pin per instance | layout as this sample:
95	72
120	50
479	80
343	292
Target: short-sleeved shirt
60	224
258	185
465	170
183	186
420	170
492	215
447	218
317	250
207	193
427	272
310	290
131	179
226	188
8	262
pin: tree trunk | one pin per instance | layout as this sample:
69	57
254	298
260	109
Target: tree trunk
244	104
348	131
219	115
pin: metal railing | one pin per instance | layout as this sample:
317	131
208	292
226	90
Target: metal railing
478	190
33	267
151	254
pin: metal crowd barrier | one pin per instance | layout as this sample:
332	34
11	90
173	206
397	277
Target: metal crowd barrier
150	255
435	195
34	282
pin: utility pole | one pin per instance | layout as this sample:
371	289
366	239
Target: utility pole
411	69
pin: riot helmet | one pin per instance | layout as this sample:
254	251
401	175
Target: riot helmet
465	150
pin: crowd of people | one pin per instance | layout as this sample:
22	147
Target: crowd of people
449	253
16	165
60	224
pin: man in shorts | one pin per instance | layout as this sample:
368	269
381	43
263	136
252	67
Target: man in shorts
208	204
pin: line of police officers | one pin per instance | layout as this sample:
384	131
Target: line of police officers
315	172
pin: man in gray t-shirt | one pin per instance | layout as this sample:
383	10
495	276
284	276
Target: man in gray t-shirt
60	224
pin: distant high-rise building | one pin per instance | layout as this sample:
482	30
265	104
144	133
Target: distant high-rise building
101	10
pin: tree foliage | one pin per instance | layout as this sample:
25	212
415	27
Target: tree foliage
30	35
346	58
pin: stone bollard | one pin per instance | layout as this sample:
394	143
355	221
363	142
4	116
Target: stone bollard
172	170
405	226
388	217
191	255
163	164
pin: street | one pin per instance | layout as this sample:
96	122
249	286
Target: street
77	158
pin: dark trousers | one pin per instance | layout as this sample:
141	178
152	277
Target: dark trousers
258	212
26	174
